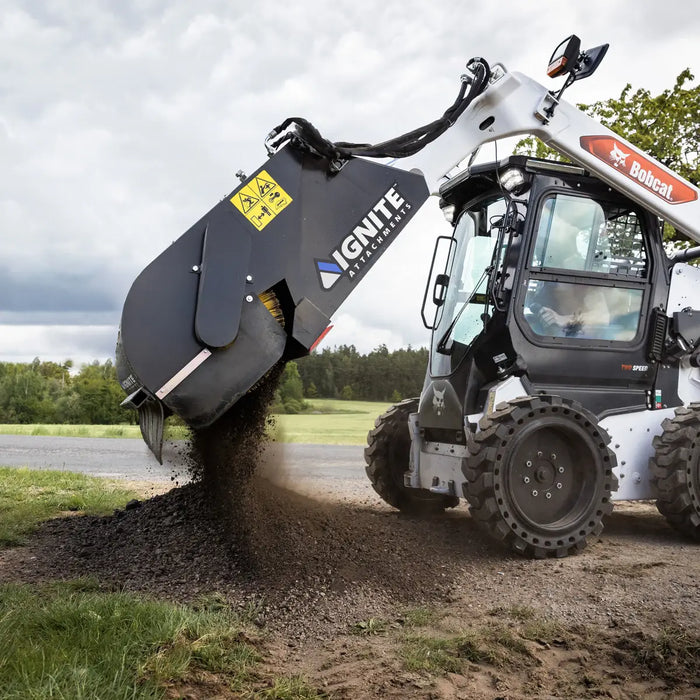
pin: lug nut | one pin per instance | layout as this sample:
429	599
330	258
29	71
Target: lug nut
548	495
552	456
558	484
249	298
561	470
534	492
528	463
526	480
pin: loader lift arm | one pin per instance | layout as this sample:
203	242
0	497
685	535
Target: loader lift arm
505	104
255	281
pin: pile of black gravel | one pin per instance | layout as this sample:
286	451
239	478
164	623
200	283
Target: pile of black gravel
306	562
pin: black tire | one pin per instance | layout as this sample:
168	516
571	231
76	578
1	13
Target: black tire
675	470
387	457
539	476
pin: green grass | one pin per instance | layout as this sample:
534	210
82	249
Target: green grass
331	406
329	422
494	645
420	617
71	640
27	497
671	654
520	613
338	423
434	655
373	626
93	431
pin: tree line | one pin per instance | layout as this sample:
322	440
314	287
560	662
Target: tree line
381	375
51	392
344	373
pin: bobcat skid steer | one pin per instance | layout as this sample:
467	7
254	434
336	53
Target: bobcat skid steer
565	345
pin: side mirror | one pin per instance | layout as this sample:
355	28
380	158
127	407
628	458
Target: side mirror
568	59
564	58
590	60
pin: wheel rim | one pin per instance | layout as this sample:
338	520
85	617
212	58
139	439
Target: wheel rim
552	477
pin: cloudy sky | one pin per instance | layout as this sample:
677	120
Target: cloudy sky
122	122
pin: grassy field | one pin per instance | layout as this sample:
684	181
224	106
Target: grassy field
334	423
75	639
27	497
70	639
328	422
92	431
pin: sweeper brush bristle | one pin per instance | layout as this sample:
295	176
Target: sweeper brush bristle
272	304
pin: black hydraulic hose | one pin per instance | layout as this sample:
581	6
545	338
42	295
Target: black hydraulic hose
306	134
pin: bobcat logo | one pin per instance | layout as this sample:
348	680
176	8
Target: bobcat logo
439	401
617	156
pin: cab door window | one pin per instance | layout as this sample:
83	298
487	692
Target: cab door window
588	266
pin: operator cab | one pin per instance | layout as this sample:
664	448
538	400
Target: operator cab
550	276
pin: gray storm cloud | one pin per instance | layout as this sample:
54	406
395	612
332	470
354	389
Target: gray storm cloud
122	123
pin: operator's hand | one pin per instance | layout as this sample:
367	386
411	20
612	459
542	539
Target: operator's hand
551	318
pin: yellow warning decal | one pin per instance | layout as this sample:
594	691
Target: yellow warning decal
260	200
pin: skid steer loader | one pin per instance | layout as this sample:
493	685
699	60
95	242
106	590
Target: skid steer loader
564	365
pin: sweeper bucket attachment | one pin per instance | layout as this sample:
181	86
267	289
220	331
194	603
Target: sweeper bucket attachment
254	282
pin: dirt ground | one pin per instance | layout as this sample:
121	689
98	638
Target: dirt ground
364	602
367	603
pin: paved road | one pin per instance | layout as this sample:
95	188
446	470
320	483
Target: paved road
131	459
